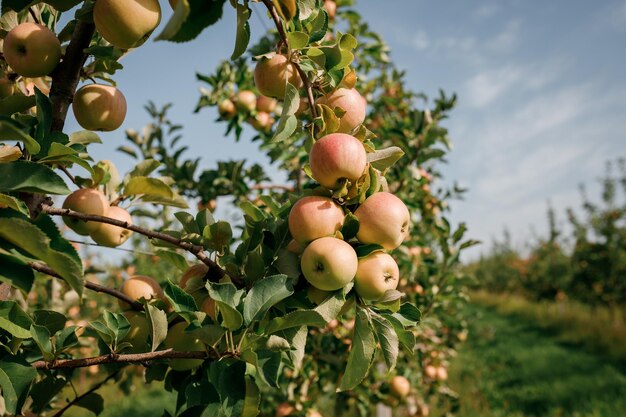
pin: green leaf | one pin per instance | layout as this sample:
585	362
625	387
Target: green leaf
187	221
361	353
204	218
203	13
231	387
16	272
255	213
84	137
174	258
57	240
297	40
158	323
268	362
144	168
15	104
387	339
350	226
16	377
51	320
227	298
92	402
180	300
347	42
44	117
66	339
383	159
364	250
405	337
252	400
218	236
10	132
295	319
31	177
148	186
34	241
119	325
333	305
243	30
409	315
41	336
14	320
44	391
181	12
265	294
288	122
13	203
254	267
318	29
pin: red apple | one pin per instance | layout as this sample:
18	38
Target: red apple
271	76
125	23
87	201
329	263
377	273
226	109
262	121
110	235
245	100
284	410
351	102
265	104
313	217
331	8
99	107
32	50
383	220
336	158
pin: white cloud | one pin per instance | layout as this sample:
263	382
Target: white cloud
486	11
421	40
485	87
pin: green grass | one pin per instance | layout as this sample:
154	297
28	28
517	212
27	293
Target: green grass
513	367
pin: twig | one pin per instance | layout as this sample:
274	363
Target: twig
69	175
80	397
283	37
32	13
43	268
123	358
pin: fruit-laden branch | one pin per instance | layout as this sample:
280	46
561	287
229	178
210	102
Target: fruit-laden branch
215	271
43	268
283	37
86	393
66	76
123	358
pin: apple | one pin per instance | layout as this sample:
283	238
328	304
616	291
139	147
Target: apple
271	76
424	410
376	273
399	386
139	331
245	100
329	263
384	220
336	158
32	50
125	23
209	307
284	410
331	8
266	104
63	5
442	373
86	201
430	371
313	413
262	121
194	271
349	79
141	286
351	102
316	295
226	109
181	341
313	217
99	107
110	235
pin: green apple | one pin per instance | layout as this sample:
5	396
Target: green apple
313	217
336	158
245	101
181	341
141	286
399	386
329	263
32	50
110	235
99	107
377	273
86	201
125	23
384	220
272	74
351	102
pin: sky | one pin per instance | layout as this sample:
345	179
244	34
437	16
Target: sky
541	86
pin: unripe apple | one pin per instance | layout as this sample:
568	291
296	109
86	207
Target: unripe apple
139	331
245	100
32	50
329	263
194	271
284	410
442	373
316	295
271	76
265	104
110	235
384	220
313	217
63	5
99	107
124	23
377	273
209	307
337	157
430	371
226	109
181	341
140	286
351	102
86	201
399	386
262	121
331	8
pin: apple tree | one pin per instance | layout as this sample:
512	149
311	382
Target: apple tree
334	291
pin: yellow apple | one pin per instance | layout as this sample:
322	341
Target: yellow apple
110	235
377	273
124	23
271	76
329	263
245	100
141	286
99	107
430	371
226	109
336	158
384	220
181	341
86	201
32	50
351	102
399	386
313	217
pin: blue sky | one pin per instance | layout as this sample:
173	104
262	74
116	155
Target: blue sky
541	85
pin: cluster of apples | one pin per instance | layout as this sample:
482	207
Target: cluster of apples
260	109
93	201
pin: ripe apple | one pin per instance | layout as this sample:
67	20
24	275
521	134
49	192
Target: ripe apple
124	23
284	410
181	341
245	100
351	102
139	331
99	107
110	235
430	371
313	217
331	8
329	263
194	271
63	5
316	295
141	286
442	373
399	386
32	50
262	121
383	220
271	76
266	104
87	201
337	157
226	109
377	273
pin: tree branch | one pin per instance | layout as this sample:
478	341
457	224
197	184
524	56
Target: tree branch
283	37
123	358
83	395
43	268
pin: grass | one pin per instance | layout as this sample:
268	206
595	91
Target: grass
519	361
